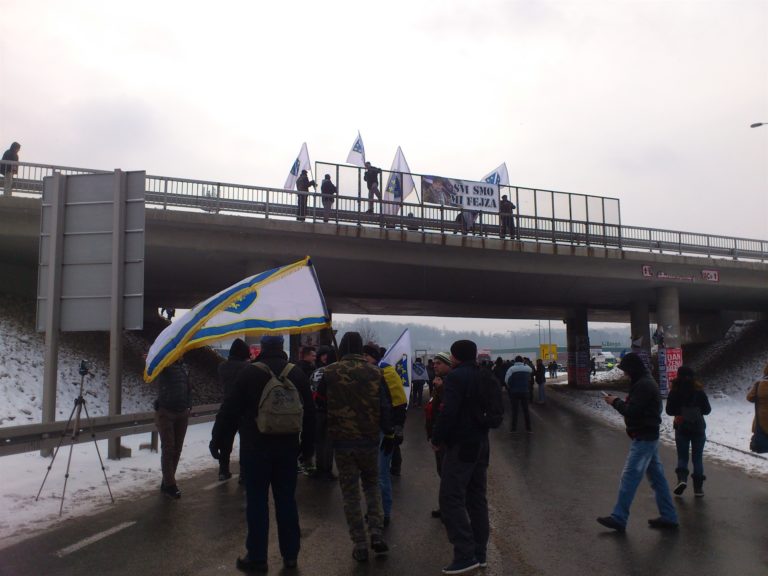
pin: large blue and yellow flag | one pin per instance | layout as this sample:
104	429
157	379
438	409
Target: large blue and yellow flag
285	300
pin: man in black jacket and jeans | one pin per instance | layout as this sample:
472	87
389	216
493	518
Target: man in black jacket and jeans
463	483
268	459
642	416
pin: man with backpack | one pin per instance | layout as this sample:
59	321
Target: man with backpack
461	430
272	404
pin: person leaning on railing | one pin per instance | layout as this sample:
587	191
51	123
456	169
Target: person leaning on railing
8	170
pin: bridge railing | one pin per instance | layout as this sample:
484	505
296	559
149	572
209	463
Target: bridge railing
261	202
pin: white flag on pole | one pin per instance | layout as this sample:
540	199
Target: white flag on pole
356	155
498	176
399	356
399	185
301	163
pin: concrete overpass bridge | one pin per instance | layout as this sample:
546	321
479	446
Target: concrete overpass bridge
198	242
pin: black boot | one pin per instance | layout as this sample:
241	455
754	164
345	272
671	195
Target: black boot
682	481
224	473
698	485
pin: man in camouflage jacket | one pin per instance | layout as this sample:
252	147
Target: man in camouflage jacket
358	409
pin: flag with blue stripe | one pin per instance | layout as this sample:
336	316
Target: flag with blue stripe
285	300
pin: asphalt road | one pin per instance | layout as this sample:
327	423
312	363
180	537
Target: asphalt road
545	490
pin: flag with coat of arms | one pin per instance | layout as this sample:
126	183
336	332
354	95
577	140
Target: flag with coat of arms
301	163
498	176
399	184
356	155
399	356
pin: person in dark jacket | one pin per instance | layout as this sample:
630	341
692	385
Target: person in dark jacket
239	354
326	355
518	380
371	178
268	459
302	185
688	403
328	196
506	218
171	419
9	170
358	412
642	417
541	379
442	365
464	479
308	358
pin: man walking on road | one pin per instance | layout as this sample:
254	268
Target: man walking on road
642	416
268	458
464	480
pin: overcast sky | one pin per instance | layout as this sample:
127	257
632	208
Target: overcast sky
646	101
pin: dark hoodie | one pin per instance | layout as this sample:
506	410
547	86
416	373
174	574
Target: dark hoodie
228	370
642	407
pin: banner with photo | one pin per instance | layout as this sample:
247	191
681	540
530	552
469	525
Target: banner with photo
462	194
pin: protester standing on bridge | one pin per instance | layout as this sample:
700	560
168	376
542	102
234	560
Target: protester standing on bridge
358	411
642	417
239	354
171	418
688	403
328	193
302	185
442	365
518	379
268	458
8	170
371	178
464	480
506	218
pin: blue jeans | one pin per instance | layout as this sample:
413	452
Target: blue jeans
385	481
643	458
278	469
696	443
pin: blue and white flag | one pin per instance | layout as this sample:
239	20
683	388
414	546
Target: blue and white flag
285	300
498	176
301	163
399	185
356	155
399	356
419	371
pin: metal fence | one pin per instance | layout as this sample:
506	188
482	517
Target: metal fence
541	215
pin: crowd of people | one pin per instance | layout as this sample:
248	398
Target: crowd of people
347	407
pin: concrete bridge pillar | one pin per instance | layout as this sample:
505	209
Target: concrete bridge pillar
668	315
640	318
577	332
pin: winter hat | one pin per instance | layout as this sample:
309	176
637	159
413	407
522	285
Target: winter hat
632	365
351	343
239	350
443	357
373	351
464	350
270	342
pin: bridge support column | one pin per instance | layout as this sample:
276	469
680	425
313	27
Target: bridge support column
577	332
668	320
640	318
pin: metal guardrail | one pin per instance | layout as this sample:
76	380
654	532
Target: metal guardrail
256	201
34	437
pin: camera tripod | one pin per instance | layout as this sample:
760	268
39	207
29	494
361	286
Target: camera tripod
75	433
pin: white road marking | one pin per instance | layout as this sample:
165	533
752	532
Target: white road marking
91	539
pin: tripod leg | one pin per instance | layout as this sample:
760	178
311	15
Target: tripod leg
66	476
55	452
101	462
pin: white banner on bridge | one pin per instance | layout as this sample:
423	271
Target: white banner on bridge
464	194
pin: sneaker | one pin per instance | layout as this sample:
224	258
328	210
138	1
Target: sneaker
663	523
360	554
461	566
612	523
245	564
171	491
224	476
482	560
378	545
436	513
680	488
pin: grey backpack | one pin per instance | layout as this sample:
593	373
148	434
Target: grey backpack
280	408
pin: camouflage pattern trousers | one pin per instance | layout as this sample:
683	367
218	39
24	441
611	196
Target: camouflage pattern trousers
355	466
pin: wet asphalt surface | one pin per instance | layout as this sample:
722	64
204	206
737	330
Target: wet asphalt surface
545	491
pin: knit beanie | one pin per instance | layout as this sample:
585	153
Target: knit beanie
239	350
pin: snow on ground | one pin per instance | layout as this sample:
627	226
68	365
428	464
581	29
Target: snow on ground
21	475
